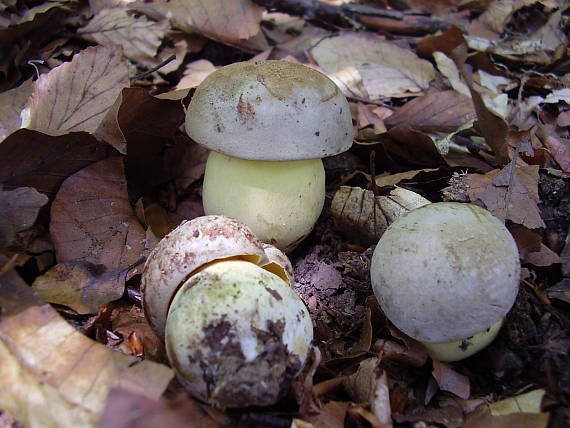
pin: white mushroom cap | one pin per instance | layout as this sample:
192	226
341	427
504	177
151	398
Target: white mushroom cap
237	335
186	249
445	271
270	110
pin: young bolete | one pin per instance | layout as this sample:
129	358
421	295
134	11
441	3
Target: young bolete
236	333
268	124
446	274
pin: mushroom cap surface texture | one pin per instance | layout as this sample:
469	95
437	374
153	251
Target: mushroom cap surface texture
185	250
270	110
237	335
445	271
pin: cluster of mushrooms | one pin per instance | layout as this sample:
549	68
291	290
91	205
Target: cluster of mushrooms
218	288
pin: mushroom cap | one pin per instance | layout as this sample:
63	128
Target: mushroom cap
270	110
237	335
445	271
187	249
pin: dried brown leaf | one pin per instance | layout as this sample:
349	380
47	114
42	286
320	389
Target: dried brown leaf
19	209
386	69
80	285
560	151
76	95
451	381
31	158
357	212
92	219
511	193
443	111
331	415
531	248
13	102
125	409
195	72
138	36
52	375
235	23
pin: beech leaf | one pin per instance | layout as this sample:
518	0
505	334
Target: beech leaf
52	375
92	219
138	36
18	211
80	285
76	95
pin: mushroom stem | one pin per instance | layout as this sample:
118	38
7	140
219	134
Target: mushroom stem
279	201
461	349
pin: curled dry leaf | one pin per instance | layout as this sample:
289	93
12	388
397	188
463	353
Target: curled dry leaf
234	23
138	36
92	219
510	193
357	212
31	158
80	285
76	95
13	102
52	375
451	381
386	69
18	211
125	409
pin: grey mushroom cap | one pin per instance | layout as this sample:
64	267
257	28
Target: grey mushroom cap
270	110
445	271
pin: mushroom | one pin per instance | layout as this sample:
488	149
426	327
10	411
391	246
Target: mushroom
446	274
268	124
236	333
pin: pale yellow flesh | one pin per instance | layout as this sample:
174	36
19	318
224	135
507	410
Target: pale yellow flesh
279	201
460	349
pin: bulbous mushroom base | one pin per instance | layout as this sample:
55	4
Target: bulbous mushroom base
461	349
237	335
279	201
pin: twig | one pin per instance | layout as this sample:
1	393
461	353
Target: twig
153	69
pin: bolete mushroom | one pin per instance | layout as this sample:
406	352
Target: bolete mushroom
446	274
268	125
236	333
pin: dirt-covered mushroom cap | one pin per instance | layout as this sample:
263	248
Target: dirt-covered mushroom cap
237	335
270	110
445	272
188	248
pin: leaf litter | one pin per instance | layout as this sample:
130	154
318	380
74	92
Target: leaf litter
95	167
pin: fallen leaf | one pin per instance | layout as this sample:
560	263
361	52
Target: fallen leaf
331	415
195	72
76	95
52	375
560	152
361	215
13	102
80	285
447	67
33	159
19	209
451	381
386	69
92	219
227	22
138	36
125	409
529	402
511	193
445	111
